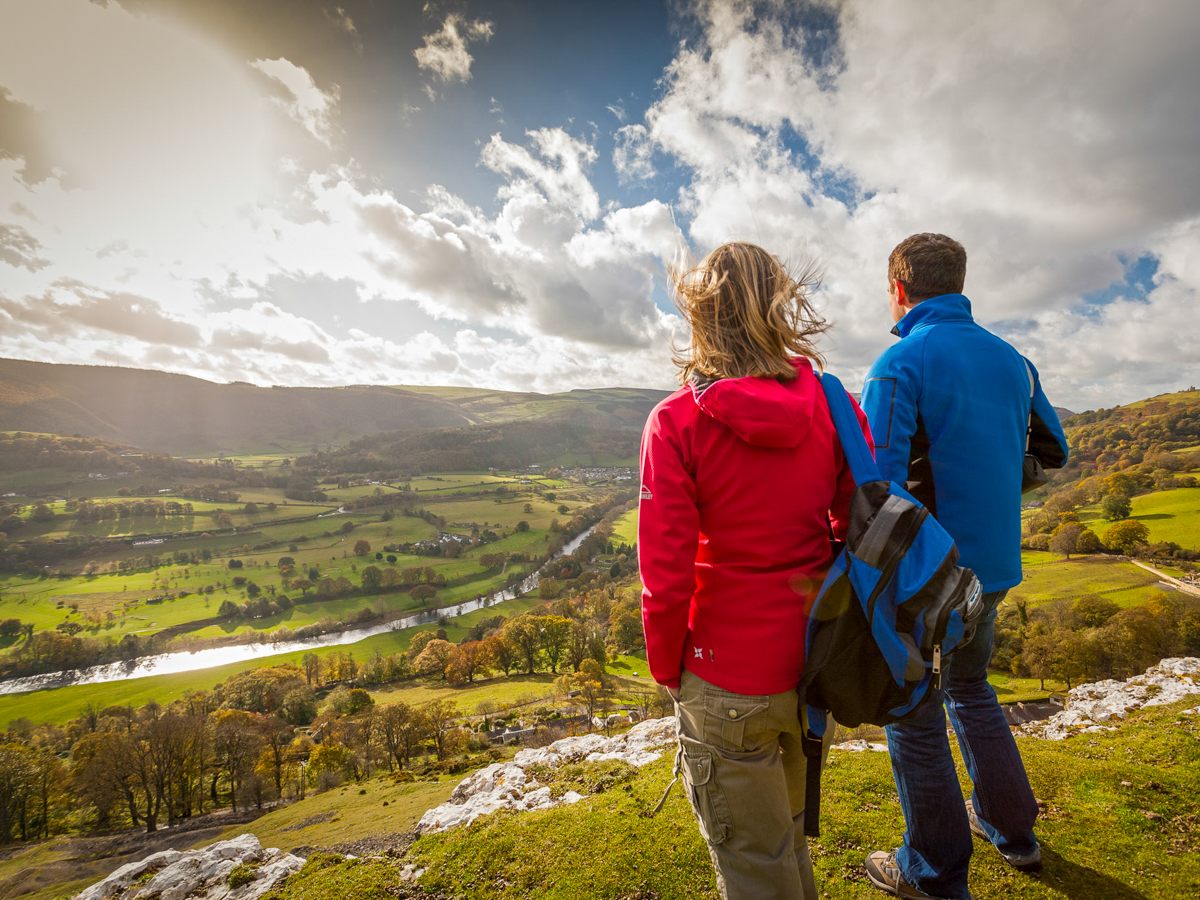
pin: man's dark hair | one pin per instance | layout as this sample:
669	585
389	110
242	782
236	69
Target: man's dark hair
928	265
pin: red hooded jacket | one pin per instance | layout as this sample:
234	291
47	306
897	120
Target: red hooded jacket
743	481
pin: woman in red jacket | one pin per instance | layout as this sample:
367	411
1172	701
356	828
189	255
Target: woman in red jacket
743	484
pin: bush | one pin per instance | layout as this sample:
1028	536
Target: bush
1037	542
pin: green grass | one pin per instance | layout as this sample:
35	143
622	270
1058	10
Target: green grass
1169	515
625	528
514	689
1049	576
1097	839
1011	689
343	814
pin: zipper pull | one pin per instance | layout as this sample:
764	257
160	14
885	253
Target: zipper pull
937	667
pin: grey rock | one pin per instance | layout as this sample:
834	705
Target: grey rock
198	873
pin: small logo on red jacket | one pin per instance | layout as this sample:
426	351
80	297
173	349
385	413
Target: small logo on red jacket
645	494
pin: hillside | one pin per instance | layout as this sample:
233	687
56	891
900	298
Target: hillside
1118	821
158	411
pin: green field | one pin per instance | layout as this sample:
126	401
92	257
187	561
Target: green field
1049	576
625	528
1169	515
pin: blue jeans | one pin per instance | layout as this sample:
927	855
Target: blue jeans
937	839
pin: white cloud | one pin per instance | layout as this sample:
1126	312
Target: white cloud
633	154
180	201
559	175
307	104
444	55
999	125
505	297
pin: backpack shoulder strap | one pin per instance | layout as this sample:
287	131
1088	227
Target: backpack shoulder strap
1029	427
854	445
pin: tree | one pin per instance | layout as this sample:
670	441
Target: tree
1116	506
1088	542
439	717
237	743
1065	539
522	525
491	560
276	738
1092	610
401	730
502	652
556	637
1038	656
434	658
467	660
228	610
525	633
1126	536
362	547
372	579
417	643
424	593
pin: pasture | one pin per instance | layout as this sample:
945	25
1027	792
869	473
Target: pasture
625	528
1172	515
1049	576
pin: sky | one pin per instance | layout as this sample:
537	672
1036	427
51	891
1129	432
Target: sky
478	193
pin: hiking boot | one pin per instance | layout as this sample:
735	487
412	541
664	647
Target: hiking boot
1022	862
885	874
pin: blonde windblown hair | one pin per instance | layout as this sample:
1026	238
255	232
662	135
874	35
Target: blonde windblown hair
748	314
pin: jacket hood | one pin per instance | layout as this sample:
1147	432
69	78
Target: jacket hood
764	412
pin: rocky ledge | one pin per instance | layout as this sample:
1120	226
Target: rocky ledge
1090	705
175	875
508	786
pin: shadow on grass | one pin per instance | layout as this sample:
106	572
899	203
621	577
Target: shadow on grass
1081	883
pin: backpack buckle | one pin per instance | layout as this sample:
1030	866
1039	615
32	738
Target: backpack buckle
937	667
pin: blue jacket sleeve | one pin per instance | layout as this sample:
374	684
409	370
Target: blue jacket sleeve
1046	439
889	399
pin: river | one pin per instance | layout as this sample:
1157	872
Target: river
190	661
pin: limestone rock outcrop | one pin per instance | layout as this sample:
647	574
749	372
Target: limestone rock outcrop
1088	706
508	786
176	875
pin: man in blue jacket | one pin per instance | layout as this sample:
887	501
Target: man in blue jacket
950	406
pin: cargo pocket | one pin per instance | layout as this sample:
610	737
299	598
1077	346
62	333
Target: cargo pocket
704	791
725	715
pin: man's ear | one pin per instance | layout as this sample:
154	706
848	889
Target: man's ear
901	292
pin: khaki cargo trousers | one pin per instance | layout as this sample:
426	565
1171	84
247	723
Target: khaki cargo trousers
743	771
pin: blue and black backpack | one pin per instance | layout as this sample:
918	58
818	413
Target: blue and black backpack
894	605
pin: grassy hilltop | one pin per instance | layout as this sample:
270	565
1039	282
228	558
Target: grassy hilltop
1120	821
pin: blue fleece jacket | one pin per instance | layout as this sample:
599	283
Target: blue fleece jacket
949	406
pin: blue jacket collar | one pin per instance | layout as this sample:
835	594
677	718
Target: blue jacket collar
946	308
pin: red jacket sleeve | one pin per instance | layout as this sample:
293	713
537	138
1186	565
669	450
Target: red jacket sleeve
668	536
839	512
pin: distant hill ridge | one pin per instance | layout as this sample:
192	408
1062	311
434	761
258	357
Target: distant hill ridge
180	414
